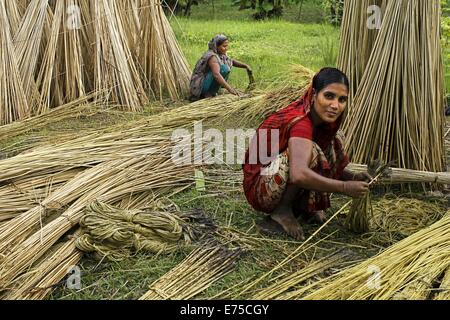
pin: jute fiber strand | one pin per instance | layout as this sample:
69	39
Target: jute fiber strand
407	270
203	267
116	234
402	217
14	104
397	112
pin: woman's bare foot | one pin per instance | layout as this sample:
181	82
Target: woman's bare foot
287	220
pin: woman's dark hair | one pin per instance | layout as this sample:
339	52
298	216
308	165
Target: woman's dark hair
328	76
221	40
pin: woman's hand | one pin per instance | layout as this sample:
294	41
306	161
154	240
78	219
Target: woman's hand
355	189
363	176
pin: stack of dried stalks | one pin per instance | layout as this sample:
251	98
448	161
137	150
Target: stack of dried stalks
397	112
410	269
358	36
195	274
14	104
55	52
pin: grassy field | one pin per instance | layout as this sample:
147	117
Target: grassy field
270	48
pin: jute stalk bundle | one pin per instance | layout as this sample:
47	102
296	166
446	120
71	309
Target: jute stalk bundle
407	270
40	281
85	106
159	53
93	149
28	42
203	267
397	112
14	104
360	213
17	198
109	182
357	40
291	280
114	64
399	176
64	49
444	293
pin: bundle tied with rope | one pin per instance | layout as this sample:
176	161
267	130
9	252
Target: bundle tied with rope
117	234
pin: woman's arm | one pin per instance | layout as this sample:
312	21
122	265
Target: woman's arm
300	157
215	69
349	175
241	65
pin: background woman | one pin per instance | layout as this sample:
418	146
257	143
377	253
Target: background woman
213	70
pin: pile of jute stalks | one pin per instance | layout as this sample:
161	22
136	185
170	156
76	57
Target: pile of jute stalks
54	52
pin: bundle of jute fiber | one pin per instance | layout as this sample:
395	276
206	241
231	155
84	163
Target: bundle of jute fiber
397	112
46	273
203	267
116	234
408	269
112	181
19	197
360	213
14	104
15	11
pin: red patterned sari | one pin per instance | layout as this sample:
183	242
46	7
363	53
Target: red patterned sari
266	171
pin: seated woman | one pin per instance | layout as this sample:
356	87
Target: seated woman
293	177
213	70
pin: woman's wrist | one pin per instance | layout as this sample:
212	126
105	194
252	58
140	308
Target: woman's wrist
343	187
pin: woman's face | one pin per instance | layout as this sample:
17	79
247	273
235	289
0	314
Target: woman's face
331	102
223	48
